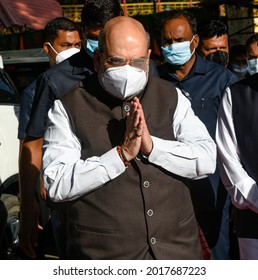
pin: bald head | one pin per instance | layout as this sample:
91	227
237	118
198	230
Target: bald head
122	60
124	37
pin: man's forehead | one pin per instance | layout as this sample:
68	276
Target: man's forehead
130	36
216	41
175	22
176	26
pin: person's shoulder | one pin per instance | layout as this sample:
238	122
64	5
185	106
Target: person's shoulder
214	66
161	85
220	71
30	87
76	64
163	69
88	84
153	71
248	82
56	69
155	79
233	77
48	73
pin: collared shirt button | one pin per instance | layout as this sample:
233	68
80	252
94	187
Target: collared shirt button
150	212
153	240
127	108
146	184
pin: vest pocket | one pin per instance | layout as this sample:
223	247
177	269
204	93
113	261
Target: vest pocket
94	229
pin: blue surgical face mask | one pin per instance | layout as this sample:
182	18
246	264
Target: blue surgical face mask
178	53
252	66
239	69
91	46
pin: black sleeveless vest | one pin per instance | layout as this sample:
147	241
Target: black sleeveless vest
146	210
245	116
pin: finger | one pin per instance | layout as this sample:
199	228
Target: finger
40	227
133	119
136	100
138	129
138	124
136	120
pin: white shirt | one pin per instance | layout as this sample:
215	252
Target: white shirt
241	187
67	177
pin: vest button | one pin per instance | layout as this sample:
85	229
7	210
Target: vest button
146	184
153	240
150	212
127	108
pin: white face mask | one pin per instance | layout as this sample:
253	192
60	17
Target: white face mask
64	54
252	66
123	82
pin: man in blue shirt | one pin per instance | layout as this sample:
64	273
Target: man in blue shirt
61	40
203	82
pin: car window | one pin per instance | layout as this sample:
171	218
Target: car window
23	74
24	66
8	92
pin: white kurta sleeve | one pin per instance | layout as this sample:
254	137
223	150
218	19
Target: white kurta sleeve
193	153
241	187
66	176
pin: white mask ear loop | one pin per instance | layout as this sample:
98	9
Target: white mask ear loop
192	38
52	48
190	43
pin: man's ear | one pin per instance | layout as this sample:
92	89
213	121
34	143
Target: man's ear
149	53
46	48
196	41
96	60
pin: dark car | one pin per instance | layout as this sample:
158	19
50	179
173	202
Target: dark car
17	69
9	153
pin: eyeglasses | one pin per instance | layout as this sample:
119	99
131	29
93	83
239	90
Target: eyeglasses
140	62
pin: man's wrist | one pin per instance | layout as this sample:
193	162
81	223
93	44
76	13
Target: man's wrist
122	155
146	152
